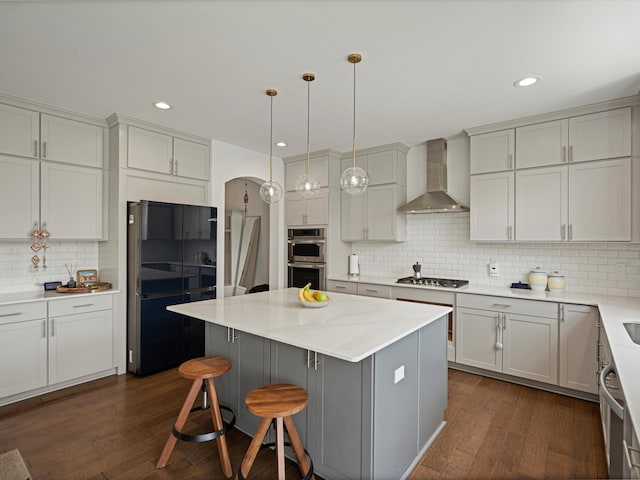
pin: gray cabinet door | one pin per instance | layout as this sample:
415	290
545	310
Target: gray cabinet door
289	365
336	412
251	364
217	343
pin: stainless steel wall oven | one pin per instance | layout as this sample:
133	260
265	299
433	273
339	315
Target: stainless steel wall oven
306	248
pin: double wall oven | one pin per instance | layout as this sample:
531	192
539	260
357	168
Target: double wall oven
306	263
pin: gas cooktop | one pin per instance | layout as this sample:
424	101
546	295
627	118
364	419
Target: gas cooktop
434	282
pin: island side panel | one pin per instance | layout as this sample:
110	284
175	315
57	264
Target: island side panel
432	380
395	423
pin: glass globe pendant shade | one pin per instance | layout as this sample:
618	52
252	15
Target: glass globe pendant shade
307	186
354	181
271	192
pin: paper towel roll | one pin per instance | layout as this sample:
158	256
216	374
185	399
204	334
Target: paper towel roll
354	264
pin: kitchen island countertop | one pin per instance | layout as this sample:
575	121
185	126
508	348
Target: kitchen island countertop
350	328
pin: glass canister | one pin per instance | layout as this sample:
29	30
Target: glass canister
538	280
556	282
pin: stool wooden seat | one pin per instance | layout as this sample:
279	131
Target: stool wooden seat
277	402
202	371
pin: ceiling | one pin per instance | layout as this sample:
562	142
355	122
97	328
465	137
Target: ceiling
429	68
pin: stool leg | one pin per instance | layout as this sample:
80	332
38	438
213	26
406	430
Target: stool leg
221	441
280	447
296	444
182	419
254	447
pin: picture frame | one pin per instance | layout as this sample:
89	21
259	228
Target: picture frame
87	277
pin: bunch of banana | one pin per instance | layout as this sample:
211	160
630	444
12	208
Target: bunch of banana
305	294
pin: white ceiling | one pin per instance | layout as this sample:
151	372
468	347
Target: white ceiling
429	69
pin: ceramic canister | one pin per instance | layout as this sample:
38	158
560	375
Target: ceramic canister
537	280
555	282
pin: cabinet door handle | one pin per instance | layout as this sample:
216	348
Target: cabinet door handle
53	327
308	359
511	161
35	148
499	344
563	230
44	149
562	313
570	231
316	362
175	167
13	314
570	153
564	154
234	337
170	166
509	232
44	329
84	305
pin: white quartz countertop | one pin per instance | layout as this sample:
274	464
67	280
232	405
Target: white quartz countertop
614	312
41	295
350	327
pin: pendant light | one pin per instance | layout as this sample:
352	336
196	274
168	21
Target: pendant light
306	185
354	180
271	192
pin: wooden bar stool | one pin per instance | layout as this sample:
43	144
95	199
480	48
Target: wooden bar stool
202	371
277	402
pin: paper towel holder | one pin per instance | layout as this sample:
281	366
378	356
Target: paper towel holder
354	265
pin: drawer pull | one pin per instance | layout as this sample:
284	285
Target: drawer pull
340	287
370	290
14	314
502	305
83	305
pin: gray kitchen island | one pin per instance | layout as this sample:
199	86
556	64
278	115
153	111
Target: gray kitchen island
375	370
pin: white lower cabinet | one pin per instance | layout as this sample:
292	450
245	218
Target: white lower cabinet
23	347
514	337
578	365
80	337
40	351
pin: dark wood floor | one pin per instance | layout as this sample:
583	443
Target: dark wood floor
498	430
115	428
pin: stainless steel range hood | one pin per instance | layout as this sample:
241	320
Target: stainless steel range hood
437	199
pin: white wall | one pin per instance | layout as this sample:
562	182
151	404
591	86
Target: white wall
229	162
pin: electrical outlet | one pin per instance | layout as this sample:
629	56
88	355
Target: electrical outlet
494	269
620	269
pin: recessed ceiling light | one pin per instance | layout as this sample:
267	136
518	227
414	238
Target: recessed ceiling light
162	105
281	144
527	81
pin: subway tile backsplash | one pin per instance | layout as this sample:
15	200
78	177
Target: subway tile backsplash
16	274
440	242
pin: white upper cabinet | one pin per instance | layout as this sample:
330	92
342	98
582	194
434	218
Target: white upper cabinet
19	131
600	135
68	141
492	152
600	201
307	211
157	152
318	169
191	159
542	144
19	196
27	133
381	167
71	201
541	204
149	150
492	206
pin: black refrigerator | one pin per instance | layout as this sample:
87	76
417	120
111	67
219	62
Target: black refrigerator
171	259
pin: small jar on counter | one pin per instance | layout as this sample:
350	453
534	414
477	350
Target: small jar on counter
556	282
538	280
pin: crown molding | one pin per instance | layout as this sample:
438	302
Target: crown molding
51	110
118	118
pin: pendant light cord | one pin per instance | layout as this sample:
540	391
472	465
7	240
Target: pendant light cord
354	115
308	121
271	143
